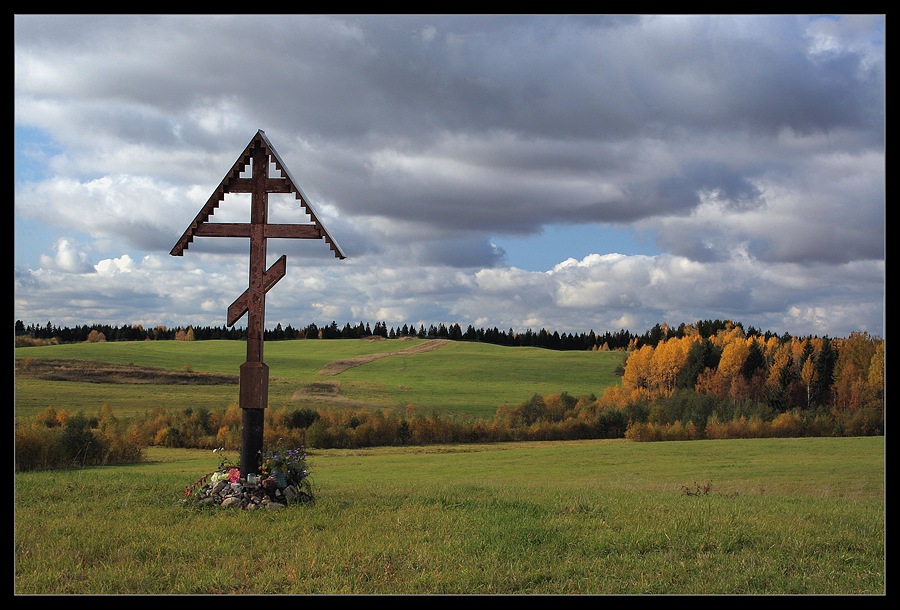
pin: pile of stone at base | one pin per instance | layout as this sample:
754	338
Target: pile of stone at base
250	496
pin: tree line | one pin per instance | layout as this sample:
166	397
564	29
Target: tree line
39	334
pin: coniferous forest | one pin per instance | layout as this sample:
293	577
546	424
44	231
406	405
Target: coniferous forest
543	338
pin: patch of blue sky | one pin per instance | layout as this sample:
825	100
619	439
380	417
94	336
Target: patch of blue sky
33	147
557	243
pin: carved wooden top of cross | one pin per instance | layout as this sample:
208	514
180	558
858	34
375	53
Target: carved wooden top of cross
261	152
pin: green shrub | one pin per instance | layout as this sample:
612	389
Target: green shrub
80	444
302	418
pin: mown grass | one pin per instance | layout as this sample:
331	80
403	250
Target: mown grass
477	378
126	400
765	516
468	378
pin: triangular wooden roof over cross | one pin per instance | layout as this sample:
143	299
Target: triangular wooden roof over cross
233	183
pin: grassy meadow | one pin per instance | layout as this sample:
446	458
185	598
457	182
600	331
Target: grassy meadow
755	516
469	378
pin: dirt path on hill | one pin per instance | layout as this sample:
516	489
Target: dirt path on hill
339	366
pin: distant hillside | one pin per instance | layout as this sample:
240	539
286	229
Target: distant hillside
460	377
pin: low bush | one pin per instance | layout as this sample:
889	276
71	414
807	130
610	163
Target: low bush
57	439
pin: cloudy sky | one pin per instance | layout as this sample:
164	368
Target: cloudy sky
571	173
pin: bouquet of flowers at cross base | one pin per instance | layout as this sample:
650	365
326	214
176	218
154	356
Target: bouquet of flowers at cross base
286	467
279	469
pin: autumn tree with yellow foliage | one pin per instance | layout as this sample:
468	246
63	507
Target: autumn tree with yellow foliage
840	380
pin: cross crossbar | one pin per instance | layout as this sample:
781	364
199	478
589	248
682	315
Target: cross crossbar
241	305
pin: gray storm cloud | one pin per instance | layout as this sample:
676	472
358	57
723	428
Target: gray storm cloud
745	145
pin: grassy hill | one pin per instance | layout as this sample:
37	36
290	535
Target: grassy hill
463	377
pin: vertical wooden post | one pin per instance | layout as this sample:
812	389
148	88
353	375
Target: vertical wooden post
254	392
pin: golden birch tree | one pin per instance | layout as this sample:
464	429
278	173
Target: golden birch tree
637	369
667	360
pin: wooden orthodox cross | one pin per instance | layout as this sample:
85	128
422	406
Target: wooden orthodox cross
254	379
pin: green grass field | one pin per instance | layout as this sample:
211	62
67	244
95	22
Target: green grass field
762	516
469	378
779	516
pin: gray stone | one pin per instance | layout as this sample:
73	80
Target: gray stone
231	501
290	492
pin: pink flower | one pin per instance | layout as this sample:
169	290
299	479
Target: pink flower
234	474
